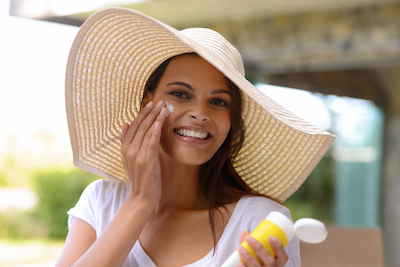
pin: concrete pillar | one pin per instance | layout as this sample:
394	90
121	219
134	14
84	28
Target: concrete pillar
391	193
391	169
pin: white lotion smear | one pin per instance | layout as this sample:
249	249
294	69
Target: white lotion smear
169	107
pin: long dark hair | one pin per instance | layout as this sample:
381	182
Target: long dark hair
218	180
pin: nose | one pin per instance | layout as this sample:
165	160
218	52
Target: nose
199	112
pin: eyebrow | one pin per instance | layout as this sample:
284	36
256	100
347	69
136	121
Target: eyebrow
188	86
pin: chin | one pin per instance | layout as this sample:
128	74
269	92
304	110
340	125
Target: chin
189	157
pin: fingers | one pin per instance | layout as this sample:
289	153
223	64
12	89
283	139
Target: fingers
141	124
153	139
244	254
127	131
263	254
243	235
247	258
144	120
125	128
146	126
281	256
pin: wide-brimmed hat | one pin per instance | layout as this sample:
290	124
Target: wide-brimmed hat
113	55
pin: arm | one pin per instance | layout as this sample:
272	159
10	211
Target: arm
80	238
140	152
113	246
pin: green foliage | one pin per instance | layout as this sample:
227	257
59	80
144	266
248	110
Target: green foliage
3	179
21	225
58	191
315	197
8	171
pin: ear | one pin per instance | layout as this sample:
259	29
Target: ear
145	100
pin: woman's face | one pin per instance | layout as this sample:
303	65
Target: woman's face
201	97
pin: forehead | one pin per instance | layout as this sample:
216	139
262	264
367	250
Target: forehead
193	68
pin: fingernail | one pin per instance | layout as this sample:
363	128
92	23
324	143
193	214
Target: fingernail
160	104
163	111
272	239
243	250
157	125
149	105
250	239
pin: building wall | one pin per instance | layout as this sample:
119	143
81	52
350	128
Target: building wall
341	39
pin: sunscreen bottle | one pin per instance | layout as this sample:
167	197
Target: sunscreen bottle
278	225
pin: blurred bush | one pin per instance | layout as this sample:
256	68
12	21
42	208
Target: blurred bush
315	197
21	225
3	179
58	191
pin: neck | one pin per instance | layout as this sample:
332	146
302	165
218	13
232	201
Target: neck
180	187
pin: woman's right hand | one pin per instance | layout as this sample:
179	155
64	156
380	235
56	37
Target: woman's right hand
140	142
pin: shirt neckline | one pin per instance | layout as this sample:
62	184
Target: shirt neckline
141	253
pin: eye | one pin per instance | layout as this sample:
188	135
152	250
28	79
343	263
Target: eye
179	94
220	102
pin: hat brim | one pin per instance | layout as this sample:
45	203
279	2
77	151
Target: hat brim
113	55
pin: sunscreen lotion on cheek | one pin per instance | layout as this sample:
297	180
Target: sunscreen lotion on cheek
169	107
279	226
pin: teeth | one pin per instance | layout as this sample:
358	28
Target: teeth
193	134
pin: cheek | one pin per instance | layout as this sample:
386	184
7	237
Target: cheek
224	123
168	128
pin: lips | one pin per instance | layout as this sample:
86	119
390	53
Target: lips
203	135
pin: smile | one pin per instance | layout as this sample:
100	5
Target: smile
192	134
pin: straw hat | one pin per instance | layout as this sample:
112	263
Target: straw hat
113	55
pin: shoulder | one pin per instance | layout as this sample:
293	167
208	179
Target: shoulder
99	202
104	190
254	209
261	204
104	186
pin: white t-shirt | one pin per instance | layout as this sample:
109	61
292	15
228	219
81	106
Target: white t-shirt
101	200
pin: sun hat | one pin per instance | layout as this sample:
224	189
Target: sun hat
113	55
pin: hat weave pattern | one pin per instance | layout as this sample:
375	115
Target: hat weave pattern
113	55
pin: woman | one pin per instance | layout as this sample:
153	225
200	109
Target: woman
185	184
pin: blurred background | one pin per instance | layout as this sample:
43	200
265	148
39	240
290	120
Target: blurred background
334	63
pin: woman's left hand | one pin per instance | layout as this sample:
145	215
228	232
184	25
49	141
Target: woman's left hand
262	253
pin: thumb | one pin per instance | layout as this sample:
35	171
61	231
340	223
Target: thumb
243	235
125	128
